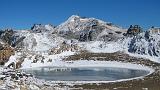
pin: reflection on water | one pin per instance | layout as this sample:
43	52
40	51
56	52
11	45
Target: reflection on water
85	74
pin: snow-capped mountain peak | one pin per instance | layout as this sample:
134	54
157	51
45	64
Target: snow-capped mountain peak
73	18
77	24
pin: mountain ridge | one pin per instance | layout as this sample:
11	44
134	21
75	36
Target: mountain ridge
81	33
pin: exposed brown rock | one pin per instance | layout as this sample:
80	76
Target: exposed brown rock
5	53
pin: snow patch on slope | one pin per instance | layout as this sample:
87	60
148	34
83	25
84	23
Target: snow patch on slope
56	60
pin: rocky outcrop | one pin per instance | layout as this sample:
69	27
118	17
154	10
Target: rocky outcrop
5	53
154	30
134	30
38	28
7	36
145	44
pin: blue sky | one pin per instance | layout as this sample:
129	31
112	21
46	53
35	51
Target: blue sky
19	14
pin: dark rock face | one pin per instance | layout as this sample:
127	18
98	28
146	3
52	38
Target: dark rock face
147	35
1	46
134	30
7	36
17	41
144	44
38	28
88	35
1	32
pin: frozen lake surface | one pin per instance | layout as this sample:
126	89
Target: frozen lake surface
85	74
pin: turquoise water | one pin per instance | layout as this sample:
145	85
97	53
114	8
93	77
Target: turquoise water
85	74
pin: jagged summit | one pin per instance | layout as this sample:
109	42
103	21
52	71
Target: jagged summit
76	23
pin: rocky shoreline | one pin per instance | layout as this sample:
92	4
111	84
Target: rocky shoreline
18	80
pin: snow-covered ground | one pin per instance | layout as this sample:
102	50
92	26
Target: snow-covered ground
111	47
55	60
102	47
